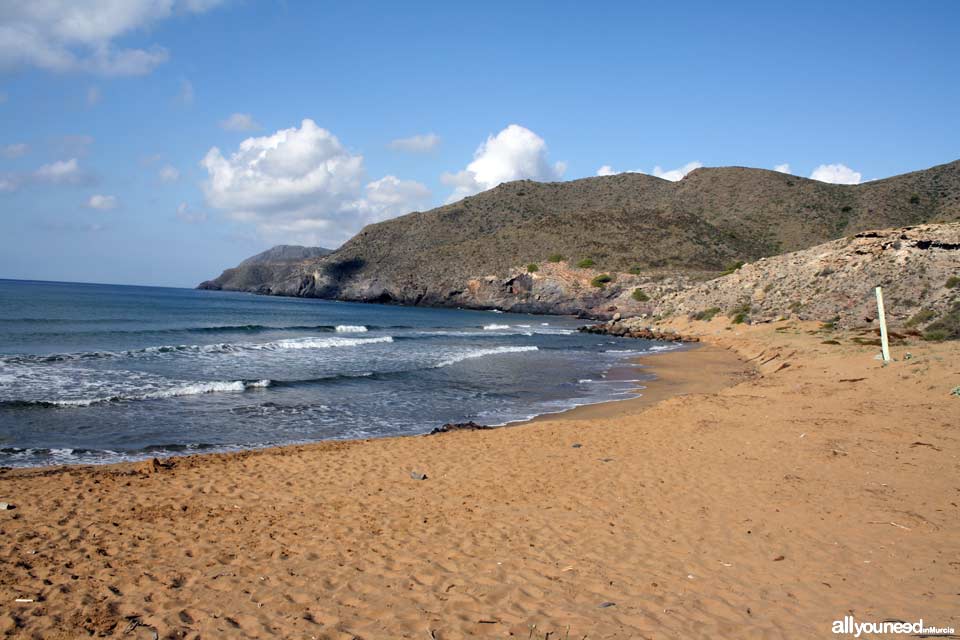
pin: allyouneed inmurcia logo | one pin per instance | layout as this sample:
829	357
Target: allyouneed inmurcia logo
849	626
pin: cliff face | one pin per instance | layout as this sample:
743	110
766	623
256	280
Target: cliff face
266	271
647	231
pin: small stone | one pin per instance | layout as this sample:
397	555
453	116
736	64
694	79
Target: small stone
616	316
576	445
416	475
779	558
6	506
607	605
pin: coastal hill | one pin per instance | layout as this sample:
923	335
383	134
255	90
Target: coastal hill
918	268
633	229
257	272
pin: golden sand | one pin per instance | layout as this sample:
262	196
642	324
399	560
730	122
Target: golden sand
758	500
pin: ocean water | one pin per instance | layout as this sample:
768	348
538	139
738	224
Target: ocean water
103	373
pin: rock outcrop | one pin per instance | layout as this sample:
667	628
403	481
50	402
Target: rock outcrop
918	268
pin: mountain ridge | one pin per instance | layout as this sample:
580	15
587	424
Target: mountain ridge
468	253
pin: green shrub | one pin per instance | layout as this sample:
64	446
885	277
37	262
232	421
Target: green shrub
952	282
921	317
602	280
555	257
945	328
636	271
914	199
639	295
707	314
586	263
532	268
733	266
739	318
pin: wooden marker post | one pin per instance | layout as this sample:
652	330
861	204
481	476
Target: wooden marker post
884	342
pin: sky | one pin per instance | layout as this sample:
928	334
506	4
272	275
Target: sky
158	142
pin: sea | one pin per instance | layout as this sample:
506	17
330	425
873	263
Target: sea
93	373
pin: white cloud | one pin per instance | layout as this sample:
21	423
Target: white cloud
240	122
102	202
301	185
390	196
9	183
185	214
169	173
93	96
185	95
516	153
676	174
421	143
836	174
14	150
79	35
59	172
606	170
782	168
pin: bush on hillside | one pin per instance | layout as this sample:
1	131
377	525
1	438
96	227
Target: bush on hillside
586	263
602	280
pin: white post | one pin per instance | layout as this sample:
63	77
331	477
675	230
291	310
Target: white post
884	343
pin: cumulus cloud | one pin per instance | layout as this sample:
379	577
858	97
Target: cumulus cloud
14	150
676	174
516	153
169	173
836	174
303	186
240	122
102	202
79	35
606	170
59	172
421	143
782	168
186	214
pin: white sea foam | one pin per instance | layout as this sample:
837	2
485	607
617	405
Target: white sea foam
495	327
187	389
351	328
480	353
319	343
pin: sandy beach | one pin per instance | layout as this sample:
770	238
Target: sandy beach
765	485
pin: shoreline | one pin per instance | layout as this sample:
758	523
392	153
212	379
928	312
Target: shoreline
795	495
648	392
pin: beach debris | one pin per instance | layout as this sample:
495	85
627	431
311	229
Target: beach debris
891	523
925	444
459	426
6	506
416	475
576	445
606	605
24	600
158	465
779	558
908	356
135	622
955	392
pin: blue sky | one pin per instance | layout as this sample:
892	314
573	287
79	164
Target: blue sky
121	123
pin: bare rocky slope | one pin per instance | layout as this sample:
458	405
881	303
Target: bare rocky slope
917	267
638	230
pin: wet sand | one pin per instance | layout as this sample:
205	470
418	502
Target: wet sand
762	505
